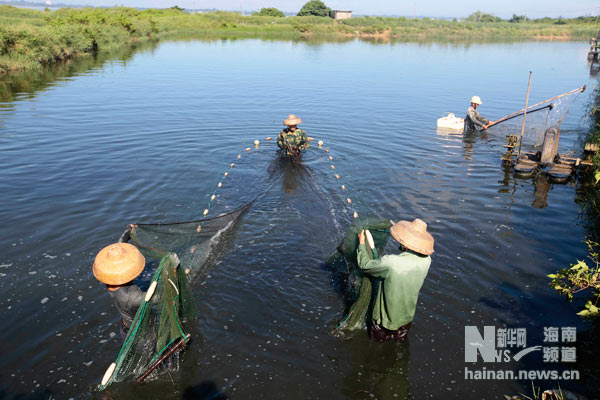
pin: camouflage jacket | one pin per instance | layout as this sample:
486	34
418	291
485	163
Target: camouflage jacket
292	141
474	121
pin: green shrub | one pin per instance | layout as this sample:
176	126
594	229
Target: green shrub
270	12
316	8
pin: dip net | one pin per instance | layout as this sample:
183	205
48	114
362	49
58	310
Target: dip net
361	289
158	331
540	117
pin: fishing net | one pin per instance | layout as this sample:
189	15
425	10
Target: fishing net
361	289
193	241
158	332
540	117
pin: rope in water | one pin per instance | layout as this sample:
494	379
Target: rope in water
348	199
226	174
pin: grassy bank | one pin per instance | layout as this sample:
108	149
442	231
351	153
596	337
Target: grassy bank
30	39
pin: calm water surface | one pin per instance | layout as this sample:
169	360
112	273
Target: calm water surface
145	137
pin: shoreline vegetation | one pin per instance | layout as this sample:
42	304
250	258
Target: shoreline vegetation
30	39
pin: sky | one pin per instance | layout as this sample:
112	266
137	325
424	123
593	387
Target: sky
429	8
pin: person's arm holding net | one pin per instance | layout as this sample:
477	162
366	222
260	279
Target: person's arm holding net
304	143
281	141
375	268
476	119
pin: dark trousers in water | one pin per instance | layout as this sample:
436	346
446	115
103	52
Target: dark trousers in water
381	334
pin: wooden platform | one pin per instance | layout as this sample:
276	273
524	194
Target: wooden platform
560	173
525	168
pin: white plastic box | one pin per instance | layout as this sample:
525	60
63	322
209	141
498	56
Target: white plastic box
449	121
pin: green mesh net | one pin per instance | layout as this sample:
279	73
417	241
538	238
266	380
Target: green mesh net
195	242
158	332
361	289
540	117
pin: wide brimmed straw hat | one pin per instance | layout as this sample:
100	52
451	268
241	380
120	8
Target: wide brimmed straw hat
118	264
292	120
413	235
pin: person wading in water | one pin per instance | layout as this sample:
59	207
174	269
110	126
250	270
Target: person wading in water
401	275
292	140
473	120
117	265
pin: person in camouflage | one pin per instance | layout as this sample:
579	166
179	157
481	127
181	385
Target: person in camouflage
292	140
475	121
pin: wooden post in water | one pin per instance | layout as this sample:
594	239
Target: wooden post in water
524	117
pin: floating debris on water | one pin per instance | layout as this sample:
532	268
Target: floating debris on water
44	300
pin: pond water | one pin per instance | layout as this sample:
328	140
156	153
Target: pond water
145	136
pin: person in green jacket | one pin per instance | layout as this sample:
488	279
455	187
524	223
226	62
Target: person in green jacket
292	140
401	275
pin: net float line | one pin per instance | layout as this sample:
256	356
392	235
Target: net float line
256	144
348	200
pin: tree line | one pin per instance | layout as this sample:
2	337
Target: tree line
318	8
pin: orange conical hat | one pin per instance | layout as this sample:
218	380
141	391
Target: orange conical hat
118	264
413	235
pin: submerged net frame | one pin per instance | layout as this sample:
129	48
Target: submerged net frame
158	328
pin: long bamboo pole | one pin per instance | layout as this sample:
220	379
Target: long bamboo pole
176	346
524	117
579	89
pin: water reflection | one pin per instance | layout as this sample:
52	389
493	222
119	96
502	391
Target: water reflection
378	370
292	171
27	84
469	139
542	187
